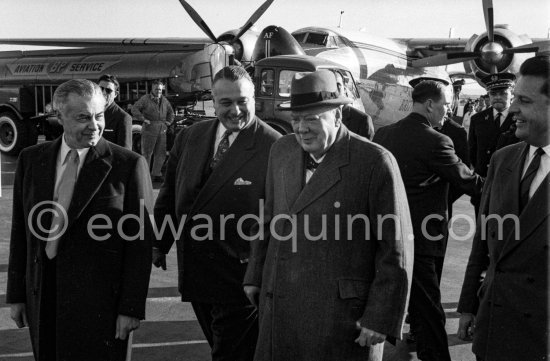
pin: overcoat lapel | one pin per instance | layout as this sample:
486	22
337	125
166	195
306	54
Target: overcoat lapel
327	174
226	169
97	166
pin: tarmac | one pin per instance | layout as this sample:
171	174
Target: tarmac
171	332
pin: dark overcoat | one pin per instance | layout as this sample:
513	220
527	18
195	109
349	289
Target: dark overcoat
96	279
325	277
211	266
512	303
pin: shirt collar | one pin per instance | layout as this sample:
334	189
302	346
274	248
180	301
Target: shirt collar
504	113
533	149
82	152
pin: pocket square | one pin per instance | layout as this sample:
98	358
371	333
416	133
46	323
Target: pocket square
242	182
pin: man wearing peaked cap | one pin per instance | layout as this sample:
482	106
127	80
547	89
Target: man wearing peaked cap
494	127
335	286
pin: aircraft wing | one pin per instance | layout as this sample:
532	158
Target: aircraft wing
105	42
423	47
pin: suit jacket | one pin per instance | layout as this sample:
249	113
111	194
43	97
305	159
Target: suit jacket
96	279
485	137
512	303
211	266
428	163
357	121
314	291
118	126
458	135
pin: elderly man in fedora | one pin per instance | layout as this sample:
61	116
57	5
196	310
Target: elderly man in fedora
333	265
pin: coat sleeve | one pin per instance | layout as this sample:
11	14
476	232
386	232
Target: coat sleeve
479	255
444	162
16	291
165	205
392	228
136	267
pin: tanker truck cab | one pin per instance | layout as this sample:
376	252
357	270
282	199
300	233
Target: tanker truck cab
272	79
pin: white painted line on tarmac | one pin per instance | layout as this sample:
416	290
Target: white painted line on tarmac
136	345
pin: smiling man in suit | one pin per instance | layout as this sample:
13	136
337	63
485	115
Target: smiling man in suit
82	289
508	314
332	275
217	169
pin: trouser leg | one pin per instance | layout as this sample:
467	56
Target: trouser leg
159	153
428	317
232	330
148	141
47	337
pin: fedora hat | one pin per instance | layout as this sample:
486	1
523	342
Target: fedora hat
314	89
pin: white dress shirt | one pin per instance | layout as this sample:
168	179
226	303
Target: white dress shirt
502	117
309	172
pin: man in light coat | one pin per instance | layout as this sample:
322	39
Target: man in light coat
508	314
334	271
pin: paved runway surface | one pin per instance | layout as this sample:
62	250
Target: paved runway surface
171	331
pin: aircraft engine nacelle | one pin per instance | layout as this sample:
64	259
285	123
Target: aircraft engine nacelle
504	39
244	46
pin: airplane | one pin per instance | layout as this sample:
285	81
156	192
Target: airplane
382	67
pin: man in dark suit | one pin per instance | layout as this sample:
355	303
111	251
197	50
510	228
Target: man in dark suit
84	289
354	119
216	174
329	285
494	127
428	163
118	123
508	314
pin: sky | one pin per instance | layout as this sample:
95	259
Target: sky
167	18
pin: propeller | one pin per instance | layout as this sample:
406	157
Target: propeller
198	20
257	14
248	24
491	52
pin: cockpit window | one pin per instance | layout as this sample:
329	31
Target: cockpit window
285	80
300	37
317	39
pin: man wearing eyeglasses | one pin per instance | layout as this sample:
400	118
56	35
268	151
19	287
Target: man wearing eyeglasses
118	123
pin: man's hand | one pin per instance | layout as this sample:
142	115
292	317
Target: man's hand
253	294
466	326
368	337
124	325
159	258
19	315
146	121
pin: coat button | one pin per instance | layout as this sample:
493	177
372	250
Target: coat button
210	255
35	259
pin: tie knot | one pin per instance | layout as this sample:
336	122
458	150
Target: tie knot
311	164
72	157
539	152
227	133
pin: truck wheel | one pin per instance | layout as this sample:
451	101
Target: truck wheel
13	134
136	138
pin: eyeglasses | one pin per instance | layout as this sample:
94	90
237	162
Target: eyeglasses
107	90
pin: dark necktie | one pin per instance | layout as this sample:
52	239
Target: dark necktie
311	164
497	120
528	178
63	199
222	148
